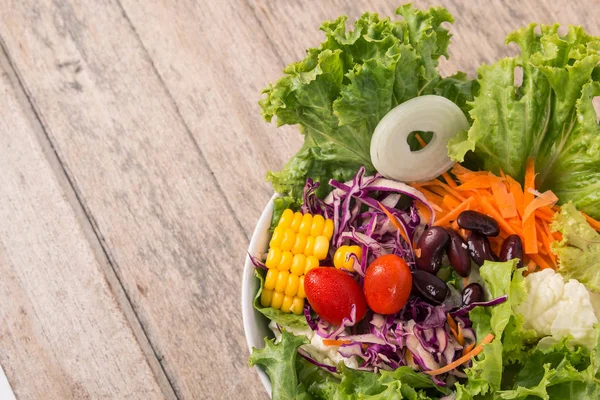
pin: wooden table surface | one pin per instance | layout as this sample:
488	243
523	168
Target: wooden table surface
132	164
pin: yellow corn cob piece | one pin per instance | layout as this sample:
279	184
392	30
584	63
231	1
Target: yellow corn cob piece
342	259
298	243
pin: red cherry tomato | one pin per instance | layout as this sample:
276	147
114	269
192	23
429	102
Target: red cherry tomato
387	284
332	292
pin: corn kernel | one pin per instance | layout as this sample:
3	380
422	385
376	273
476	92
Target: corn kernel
265	297
306	224
298	264
286	261
311	263
277	300
299	244
286	306
271	279
310	245
301	294
286	219
292	285
273	258
342	258
297	305
318	223
321	247
296	221
288	239
282	279
276	238
328	229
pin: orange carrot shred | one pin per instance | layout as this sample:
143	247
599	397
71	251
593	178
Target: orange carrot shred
452	215
395	222
517	192
418	252
451	322
476	350
449	180
468	348
544	199
547	238
437	182
504	199
335	342
593	223
460	337
540	261
420	140
529	231
450	202
496	215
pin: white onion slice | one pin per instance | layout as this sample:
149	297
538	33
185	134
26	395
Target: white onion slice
390	152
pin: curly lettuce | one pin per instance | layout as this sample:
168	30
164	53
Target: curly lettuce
338	94
549	115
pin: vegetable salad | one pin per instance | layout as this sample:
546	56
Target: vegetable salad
435	237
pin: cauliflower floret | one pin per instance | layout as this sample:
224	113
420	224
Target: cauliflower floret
553	308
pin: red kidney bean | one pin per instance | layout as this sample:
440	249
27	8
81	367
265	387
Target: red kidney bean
479	248
472	293
432	244
429	286
512	248
478	222
458	254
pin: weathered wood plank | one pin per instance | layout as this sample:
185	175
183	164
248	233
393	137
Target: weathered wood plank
63	334
479	29
159	211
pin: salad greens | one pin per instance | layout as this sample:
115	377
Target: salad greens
337	95
343	88
306	381
549	116
579	251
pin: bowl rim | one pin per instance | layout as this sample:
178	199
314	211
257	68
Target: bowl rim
255	324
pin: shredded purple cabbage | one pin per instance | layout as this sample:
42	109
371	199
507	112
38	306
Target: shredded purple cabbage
465	310
257	262
311	360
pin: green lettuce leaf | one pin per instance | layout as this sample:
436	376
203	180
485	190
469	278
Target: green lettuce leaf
579	251
342	89
486	374
550	116
560	372
279	362
284	319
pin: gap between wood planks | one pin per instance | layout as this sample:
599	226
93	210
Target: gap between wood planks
87	222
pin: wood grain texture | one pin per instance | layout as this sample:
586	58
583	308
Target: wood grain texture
151	106
62	332
152	198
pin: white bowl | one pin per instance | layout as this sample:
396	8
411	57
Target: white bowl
256	324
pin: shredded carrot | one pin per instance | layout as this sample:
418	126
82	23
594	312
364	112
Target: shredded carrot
418	252
529	231
540	261
437	182
460	337
496	215
395	222
531	266
547	239
423	211
593	223
449	180
335	342
544	199
468	348
420	140
517	192
451	322
518	209
505	200
476	350
452	215
466	281
450	202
